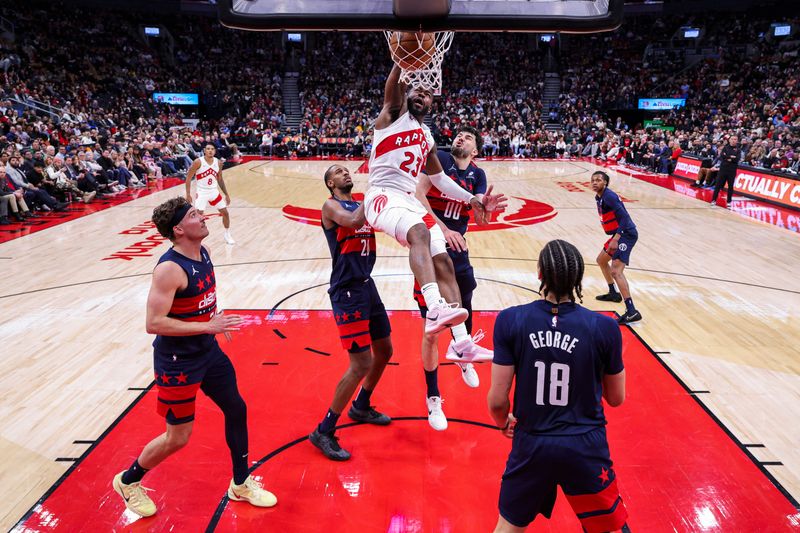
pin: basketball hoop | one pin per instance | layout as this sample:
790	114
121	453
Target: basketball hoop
420	65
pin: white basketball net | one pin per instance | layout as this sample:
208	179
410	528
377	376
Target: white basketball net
427	64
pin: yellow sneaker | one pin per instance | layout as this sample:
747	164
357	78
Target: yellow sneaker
251	491
136	499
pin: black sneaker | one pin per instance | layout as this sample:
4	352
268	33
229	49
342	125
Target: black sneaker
368	416
630	316
610	297
328	444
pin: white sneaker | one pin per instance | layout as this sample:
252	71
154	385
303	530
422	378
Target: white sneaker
468	351
228	238
469	375
444	315
251	491
436	417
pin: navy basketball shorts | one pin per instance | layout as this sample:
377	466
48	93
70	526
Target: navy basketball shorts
360	315
179	377
580	464
626	243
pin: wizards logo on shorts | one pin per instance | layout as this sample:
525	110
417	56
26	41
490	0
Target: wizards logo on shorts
520	212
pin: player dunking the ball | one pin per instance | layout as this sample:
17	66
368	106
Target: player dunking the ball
357	309
182	312
565	359
453	217
402	145
208	173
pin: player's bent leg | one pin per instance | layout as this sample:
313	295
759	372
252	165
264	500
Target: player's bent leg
444	312
220	385
382	352
361	410
446	277
618	273
419	240
631	313
323	437
604	262
134	494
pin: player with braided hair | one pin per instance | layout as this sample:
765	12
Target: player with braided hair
565	359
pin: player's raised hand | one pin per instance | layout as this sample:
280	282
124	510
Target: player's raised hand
455	240
494	202
222	323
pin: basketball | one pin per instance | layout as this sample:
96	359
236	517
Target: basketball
412	51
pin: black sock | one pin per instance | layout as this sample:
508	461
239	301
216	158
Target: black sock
236	437
134	474
362	399
432	381
629	305
329	422
611	289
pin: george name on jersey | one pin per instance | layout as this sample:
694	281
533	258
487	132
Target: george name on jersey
553	339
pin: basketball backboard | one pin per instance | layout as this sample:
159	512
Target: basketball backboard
573	16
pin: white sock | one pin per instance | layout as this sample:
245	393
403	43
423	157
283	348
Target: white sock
459	332
430	291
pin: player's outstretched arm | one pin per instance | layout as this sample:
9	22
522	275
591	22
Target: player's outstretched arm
394	100
334	213
168	278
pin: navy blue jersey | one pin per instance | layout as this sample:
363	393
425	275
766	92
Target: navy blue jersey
559	361
352	251
196	303
613	215
453	213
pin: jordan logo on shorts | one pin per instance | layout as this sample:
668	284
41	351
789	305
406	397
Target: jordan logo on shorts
379	203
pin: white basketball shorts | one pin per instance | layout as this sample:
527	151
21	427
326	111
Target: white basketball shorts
394	212
209	197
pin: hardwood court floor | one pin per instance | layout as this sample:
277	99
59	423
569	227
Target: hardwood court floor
719	293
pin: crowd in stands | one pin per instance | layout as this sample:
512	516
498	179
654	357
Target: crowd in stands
746	87
98	71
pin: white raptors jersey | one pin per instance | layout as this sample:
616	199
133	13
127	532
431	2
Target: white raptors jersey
399	153
206	175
